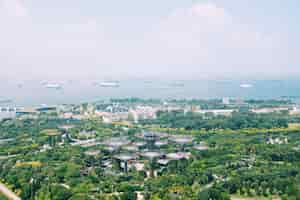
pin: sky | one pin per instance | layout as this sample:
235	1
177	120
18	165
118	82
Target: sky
180	39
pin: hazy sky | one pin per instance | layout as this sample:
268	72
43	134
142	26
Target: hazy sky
137	38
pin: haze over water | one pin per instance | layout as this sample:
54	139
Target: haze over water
33	93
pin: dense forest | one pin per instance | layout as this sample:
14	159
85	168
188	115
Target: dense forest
208	121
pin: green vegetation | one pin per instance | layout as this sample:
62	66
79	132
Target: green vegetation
247	156
2	197
208	121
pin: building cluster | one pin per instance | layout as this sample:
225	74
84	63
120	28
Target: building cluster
270	110
224	112
111	112
34	112
277	140
148	152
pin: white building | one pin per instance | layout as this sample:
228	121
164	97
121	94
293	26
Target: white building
225	101
269	110
295	111
225	112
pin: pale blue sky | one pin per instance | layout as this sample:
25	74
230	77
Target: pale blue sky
167	38
271	14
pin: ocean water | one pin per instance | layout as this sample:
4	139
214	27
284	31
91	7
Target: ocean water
34	93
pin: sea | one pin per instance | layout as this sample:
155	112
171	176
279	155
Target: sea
35	93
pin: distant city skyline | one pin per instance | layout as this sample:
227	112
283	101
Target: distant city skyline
75	39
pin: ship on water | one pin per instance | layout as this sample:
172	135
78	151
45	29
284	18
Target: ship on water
246	85
53	86
109	84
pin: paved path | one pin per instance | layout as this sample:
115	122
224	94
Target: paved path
8	193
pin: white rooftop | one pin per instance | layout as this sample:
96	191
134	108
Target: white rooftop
179	155
93	152
182	139
139	144
139	166
150	135
151	154
66	127
202	146
130	148
161	143
125	157
117	142
163	161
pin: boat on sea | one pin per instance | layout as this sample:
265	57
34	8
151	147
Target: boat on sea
246	85
53	86
109	84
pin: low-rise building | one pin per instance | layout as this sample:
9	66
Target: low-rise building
225	112
27	113
295	110
269	110
109	117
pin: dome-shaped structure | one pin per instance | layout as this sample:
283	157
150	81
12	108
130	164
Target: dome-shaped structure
151	154
182	139
178	155
116	142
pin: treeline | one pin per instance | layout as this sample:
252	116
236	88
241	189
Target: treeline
238	120
16	127
134	100
281	181
272	103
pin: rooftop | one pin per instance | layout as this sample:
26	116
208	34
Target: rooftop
161	143
182	139
202	146
178	155
92	152
116	142
66	127
163	161
139	144
125	157
151	154
151	135
130	148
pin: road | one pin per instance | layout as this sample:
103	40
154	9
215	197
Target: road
8	193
